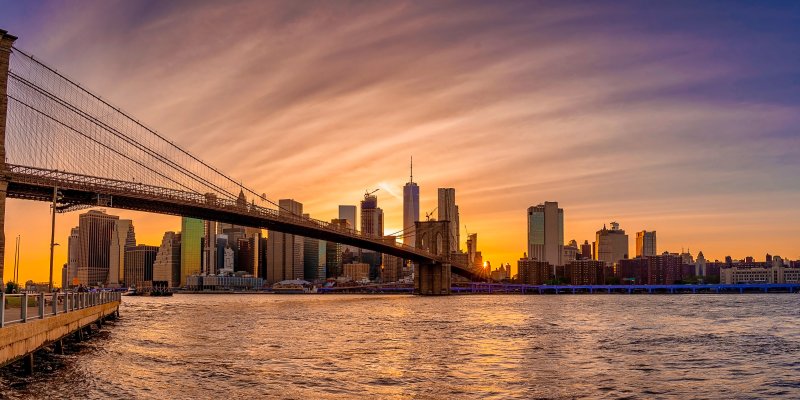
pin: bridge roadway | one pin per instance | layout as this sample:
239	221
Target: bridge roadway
79	191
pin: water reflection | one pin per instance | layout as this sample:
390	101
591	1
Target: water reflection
607	346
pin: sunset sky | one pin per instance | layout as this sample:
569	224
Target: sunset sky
679	117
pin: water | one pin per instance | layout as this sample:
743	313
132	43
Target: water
490	346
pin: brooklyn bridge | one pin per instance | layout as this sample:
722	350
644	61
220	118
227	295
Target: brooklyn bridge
61	143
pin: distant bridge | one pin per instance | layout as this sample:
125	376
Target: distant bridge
56	134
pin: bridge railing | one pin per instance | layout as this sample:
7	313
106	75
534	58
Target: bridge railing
24	307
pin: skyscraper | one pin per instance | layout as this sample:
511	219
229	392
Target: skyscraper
285	251
448	211
73	256
167	265
546	233
646	244
122	237
311	260
210	250
371	226
192	231
347	212
139	264
371	217
333	251
95	231
611	245
410	209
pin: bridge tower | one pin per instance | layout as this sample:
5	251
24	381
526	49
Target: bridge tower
433	278
6	41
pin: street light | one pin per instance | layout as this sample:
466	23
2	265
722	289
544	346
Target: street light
56	196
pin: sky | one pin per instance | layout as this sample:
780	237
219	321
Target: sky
680	117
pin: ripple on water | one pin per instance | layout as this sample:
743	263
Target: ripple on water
601	346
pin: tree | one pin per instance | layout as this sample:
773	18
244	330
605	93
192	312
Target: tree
11	287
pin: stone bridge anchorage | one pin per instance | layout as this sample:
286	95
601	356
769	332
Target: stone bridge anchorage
58	137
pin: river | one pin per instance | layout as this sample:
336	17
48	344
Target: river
398	346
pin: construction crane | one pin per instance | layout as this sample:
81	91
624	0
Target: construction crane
429	214
367	193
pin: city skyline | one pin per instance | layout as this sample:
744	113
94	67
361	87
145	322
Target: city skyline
697	197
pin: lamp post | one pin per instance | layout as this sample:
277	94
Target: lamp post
53	244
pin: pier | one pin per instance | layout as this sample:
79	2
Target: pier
29	322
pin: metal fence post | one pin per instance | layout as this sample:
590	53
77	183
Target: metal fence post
55	304
23	308
41	305
2	309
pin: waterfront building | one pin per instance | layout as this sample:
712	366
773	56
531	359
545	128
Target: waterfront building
227	261
665	269
646	243
285	252
358	272
167	264
686	257
192	231
750	271
226	283
139	262
122	238
262	256
410	209
546	233
533	272
73	256
611	245
632	271
585	272
95	231
448	211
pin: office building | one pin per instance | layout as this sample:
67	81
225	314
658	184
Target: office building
347	212
167	264
192	232
73	257
311	261
472	248
333	250
122	238
448	211
139	262
210	248
95	231
285	252
410	209
611	244
646	244
222	245
546	233
371	217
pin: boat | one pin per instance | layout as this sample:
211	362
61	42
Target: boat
294	286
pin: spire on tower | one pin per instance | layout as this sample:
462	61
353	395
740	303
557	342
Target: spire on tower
412	169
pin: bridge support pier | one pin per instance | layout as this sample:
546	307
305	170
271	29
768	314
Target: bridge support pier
6	41
432	279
